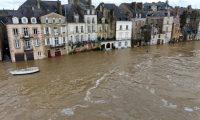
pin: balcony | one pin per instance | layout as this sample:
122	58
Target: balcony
28	48
26	37
56	33
129	38
58	46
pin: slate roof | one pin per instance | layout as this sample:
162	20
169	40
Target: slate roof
138	10
52	4
7	12
83	2
69	10
99	16
157	14
120	15
189	30
26	10
3	18
146	27
158	4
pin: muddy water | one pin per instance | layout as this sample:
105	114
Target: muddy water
126	84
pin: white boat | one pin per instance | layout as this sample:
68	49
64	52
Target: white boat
27	70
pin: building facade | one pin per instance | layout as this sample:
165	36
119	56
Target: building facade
177	36
54	30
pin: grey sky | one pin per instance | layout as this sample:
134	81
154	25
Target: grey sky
10	4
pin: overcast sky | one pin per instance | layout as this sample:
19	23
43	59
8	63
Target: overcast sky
10	4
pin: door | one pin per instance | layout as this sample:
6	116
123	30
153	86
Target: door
29	56
49	53
57	53
89	46
19	57
78	49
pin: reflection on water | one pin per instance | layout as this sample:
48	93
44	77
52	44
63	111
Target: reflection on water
121	84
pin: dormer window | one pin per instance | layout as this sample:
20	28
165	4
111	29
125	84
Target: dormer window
103	20
60	20
15	20
47	20
33	8
33	20
139	15
136	16
92	12
88	12
76	18
24	20
54	21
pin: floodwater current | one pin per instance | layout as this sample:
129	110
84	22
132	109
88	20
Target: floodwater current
126	84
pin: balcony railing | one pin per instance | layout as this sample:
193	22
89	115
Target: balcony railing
28	48
128	38
58	45
26	37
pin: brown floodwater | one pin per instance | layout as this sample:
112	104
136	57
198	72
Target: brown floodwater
126	84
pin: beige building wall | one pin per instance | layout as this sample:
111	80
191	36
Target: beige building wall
51	35
21	49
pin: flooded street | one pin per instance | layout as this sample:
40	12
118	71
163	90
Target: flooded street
126	84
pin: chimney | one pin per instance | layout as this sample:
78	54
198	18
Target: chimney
140	5
133	5
38	4
90	2
189	7
59	7
127	14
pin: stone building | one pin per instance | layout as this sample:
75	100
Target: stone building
138	17
102	27
25	34
54	29
189	33
177	36
162	20
159	5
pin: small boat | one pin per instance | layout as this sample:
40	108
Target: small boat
23	71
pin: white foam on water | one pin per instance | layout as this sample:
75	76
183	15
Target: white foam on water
152	91
114	96
70	111
188	109
170	104
196	108
87	97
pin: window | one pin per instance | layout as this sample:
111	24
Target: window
77	39
60	20
55	29
166	29
120	36
33	20
39	53
35	32
47	41
136	16
82	29
47	30
142	23
120	27
81	38
126	43
105	36
25	32
93	12
47	20
17	44
100	36
88	28
167	21
54	21
177	25
64	41
63	29
105	27
99	28
76	29
56	41
119	44
135	30
89	37
139	15
135	23
24	20
36	42
27	45
93	20
93	28
126	27
103	20
15	20
176	31
88	20
166	35
71	29
15	31
126	36
33	8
